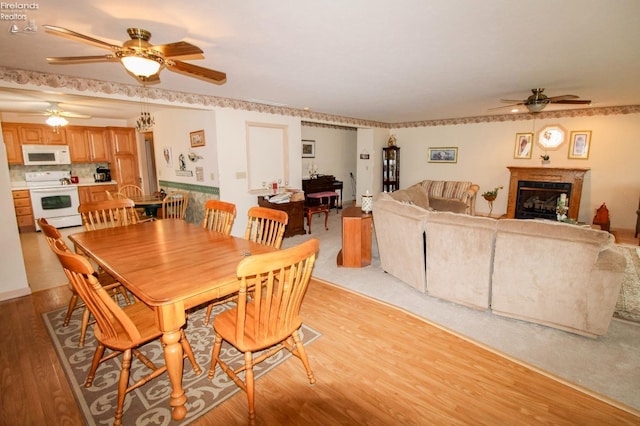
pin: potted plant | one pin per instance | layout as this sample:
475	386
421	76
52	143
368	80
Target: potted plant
491	196
544	159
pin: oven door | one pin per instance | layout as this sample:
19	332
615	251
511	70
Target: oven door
59	205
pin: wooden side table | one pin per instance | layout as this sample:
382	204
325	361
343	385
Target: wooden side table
356	238
295	211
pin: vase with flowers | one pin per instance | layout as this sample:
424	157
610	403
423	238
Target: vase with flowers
491	196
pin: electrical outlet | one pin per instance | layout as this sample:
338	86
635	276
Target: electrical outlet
241	175
212	176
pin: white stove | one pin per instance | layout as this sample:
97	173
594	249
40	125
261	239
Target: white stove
54	198
47	179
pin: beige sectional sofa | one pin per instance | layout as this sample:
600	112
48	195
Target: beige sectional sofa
556	274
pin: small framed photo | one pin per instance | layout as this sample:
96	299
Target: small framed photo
196	138
523	145
308	148
168	156
443	155
580	142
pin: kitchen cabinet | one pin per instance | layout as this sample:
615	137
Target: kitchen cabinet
87	144
24	212
41	134
11	136
124	154
91	193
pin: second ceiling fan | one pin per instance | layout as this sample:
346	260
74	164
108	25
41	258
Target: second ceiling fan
140	58
538	101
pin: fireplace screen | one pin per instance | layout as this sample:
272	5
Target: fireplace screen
539	199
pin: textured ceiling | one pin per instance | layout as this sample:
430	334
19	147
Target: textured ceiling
384	61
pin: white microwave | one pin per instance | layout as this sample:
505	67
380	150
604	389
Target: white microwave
45	155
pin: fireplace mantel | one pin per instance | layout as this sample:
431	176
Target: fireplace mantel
572	175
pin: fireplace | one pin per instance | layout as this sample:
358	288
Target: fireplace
533	191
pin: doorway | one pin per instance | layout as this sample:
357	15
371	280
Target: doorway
149	163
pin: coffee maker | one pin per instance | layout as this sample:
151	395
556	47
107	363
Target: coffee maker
102	174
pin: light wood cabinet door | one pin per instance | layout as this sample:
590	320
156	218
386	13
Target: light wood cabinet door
88	144
91	193
23	210
98	144
53	137
31	134
11	136
124	154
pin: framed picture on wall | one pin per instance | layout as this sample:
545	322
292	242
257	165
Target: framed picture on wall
523	145
579	144
443	155
168	156
197	138
308	148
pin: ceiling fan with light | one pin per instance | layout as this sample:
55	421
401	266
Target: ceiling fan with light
140	58
57	117
538	101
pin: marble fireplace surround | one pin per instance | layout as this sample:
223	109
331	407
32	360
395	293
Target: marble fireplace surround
571	175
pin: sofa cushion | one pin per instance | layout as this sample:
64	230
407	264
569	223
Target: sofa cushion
455	189
415	194
434	188
447	205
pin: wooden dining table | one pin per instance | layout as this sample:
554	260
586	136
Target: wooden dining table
150	203
172	266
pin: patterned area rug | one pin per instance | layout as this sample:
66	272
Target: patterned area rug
628	305
149	404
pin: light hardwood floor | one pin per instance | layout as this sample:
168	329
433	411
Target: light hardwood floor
374	365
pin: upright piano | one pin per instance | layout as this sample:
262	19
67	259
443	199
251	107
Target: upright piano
323	183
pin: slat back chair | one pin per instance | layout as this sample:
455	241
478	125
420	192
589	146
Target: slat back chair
110	284
107	214
174	205
219	216
121	329
266	226
270	318
130	191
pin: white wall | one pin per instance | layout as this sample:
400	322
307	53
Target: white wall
232	151
486	149
14	275
172	130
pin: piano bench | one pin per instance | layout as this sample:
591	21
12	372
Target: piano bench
310	211
329	195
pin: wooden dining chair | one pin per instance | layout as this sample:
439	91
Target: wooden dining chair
219	216
107	213
130	191
121	329
110	284
174	205
266	226
270	320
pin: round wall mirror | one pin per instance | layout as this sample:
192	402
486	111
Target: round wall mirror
551	137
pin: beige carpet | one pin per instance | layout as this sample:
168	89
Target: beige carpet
628	305
149	404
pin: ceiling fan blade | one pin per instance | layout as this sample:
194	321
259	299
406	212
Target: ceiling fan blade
206	74
61	60
507	106
572	102
72	115
180	49
562	98
63	32
512	101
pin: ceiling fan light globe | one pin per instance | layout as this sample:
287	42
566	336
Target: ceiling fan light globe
56	120
139	66
536	107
